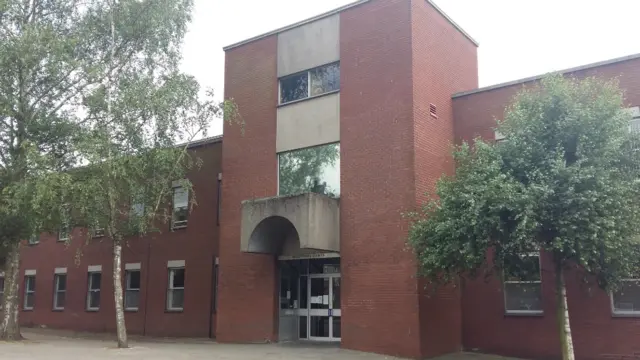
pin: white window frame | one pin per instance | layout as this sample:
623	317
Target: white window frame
309	96
97	233
62	238
171	288
539	282
91	291
128	288
28	292
56	289
182	223
624	312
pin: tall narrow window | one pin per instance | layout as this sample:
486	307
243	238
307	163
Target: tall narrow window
180	207
523	285
219	199
93	293
29	292
60	291
315	169
175	292
132	290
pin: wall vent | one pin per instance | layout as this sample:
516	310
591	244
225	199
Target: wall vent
433	111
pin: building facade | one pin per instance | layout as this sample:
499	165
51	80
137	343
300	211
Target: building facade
299	232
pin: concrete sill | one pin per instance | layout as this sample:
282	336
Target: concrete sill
308	98
179	227
524	314
132	310
170	311
92	310
627	315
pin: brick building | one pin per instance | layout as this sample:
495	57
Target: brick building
349	117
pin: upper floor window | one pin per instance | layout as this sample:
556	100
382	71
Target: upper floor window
180	207
523	285
634	125
34	239
310	83
315	169
626	300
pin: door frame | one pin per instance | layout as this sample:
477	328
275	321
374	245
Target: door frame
330	312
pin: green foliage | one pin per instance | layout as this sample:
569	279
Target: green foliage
566	181
57	66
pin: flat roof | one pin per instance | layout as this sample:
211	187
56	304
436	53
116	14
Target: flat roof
538	77
336	11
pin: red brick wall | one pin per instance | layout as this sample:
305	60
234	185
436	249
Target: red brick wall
247	291
596	333
444	62
379	293
197	245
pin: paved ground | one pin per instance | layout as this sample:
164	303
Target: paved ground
41	345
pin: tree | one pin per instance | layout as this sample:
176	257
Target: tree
73	72
566	181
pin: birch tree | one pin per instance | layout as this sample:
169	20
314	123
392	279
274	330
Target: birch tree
86	87
564	182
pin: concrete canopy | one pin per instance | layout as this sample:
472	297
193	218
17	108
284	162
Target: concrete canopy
270	225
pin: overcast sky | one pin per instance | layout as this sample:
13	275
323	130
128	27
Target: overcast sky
518	38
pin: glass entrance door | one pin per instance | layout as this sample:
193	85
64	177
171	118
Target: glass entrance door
324	307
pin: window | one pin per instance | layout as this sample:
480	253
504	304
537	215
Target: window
175	292
1	291
93	292
137	209
29	292
523	285
315	169
219	199
63	235
34	239
132	290
180	207
626	300
59	291
634	125
310	83
97	232
498	136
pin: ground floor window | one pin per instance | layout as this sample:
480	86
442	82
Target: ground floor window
60	291
93	293
523	285
626	300
29	292
132	290
175	291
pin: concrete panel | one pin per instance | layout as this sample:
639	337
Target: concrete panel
269	225
308	123
309	46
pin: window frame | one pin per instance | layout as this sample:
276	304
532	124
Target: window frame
182	223
1	290
623	313
338	143
308	72
538	282
90	291
28	292
128	288
56	291
170	288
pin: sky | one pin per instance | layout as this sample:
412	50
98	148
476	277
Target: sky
518	38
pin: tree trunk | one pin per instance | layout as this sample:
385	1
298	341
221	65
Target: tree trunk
117	294
10	327
562	311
